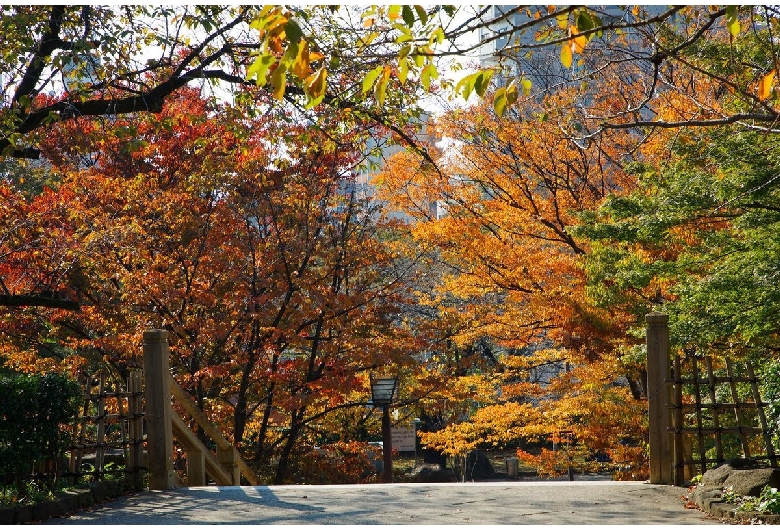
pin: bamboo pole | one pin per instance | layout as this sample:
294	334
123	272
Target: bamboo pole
715	417
679	449
770	451
737	410
699	420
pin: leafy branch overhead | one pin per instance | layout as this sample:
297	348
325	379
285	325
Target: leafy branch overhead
380	58
409	40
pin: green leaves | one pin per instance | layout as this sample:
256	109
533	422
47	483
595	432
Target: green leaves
504	97
34	408
477	82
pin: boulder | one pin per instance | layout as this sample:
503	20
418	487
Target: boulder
743	476
478	466
432	474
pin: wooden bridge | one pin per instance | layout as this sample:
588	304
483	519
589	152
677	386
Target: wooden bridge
163	424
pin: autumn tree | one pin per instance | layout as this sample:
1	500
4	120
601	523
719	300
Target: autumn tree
277	281
511	188
696	239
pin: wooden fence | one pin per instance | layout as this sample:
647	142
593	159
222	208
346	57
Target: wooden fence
225	467
127	429
109	430
723	416
706	417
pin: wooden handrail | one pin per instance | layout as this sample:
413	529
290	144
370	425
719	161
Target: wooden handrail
188	439
213	432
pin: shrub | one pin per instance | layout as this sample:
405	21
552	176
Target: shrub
336	463
33	409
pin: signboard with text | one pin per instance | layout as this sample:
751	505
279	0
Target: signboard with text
404	438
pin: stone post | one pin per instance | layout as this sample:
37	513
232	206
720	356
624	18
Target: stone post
658	394
159	433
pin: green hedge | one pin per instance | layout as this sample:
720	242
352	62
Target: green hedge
32	410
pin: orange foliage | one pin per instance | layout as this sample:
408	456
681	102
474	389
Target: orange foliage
240	237
511	272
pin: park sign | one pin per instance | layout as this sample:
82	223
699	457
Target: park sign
404	438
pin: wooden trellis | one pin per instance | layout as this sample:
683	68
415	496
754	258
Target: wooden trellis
111	419
702	423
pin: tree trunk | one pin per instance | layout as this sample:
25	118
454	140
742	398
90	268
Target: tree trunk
240	414
284	458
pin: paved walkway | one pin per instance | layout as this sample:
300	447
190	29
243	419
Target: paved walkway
487	503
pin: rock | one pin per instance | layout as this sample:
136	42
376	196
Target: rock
46	510
7	515
704	496
432	474
752	481
478	466
744	477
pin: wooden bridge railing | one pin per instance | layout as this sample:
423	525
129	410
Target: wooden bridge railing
225	467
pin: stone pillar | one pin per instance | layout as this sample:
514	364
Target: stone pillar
658	398
159	433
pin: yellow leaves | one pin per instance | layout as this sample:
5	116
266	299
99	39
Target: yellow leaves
279	81
578	41
428	74
765	85
504	97
316	86
300	66
562	20
377	78
732	21
380	87
394	12
566	55
575	44
370	78
277	29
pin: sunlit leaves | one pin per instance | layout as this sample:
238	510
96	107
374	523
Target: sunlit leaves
578	41
765	85
380	87
257	264
428	74
316	87
732	20
286	59
504	97
566	55
477	82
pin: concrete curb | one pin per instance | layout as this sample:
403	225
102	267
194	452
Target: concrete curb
67	502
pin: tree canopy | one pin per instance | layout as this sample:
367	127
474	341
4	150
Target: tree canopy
221	172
